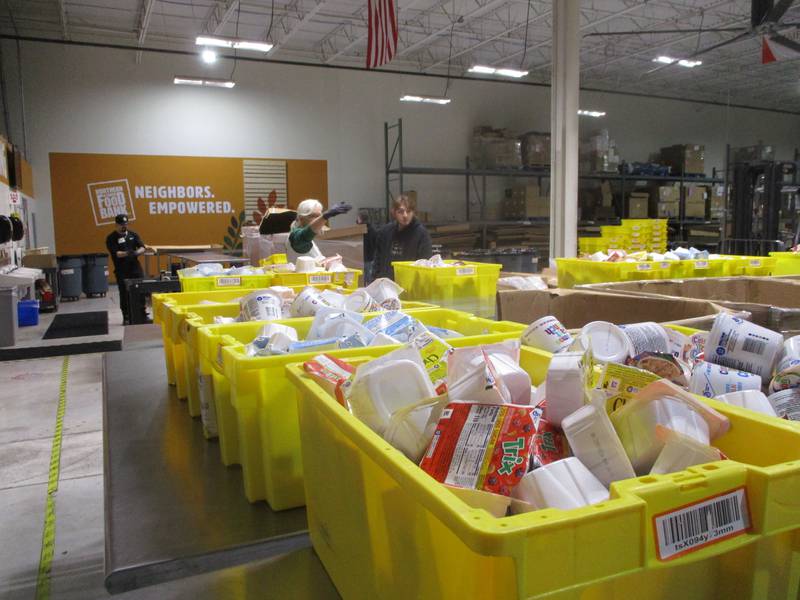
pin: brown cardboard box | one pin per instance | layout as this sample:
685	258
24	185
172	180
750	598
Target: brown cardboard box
340	233
695	210
685	158
669	193
535	149
772	302
575	308
696	193
669	210
606	194
638	205
40	261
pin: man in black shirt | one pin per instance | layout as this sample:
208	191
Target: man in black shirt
125	246
405	239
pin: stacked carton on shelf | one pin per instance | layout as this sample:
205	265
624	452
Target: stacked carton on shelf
685	159
599	154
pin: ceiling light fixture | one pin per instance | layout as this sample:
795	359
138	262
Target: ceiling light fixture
683	62
483	70
198	81
208	56
425	99
236	44
592	113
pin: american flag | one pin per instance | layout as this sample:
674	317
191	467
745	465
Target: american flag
382	43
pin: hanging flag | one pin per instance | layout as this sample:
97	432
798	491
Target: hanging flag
778	47
382	32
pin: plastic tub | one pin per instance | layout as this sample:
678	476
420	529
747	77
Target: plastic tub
28	312
756	266
385	529
578	271
516	260
95	274
222	282
261	400
70	276
471	286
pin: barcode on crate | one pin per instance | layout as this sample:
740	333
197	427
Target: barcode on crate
319	278
229	281
701	524
644	266
754	346
701	264
465	271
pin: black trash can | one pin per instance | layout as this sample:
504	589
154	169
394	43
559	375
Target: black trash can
95	274
70	276
516	260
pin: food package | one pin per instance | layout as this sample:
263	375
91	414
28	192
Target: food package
261	305
386	293
681	451
480	446
332	374
564	484
499	365
663	365
549	443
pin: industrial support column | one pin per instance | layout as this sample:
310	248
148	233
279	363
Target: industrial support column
565	84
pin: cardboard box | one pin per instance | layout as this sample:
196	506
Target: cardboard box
695	210
535	148
638	205
755	153
685	158
606	194
574	308
668	210
772	303
40	261
669	193
341	233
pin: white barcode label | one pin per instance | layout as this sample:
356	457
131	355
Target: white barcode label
665	265
465	271
701	264
644	267
229	281
324	278
701	524
755	263
68	271
754	346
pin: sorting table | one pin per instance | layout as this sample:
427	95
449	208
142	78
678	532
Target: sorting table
172	509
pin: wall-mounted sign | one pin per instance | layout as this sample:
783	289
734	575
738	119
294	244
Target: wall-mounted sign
172	200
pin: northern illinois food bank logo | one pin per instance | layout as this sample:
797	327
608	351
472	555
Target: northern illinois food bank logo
109	199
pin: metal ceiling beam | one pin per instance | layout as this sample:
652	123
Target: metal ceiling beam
218	16
144	24
299	24
62	12
478	12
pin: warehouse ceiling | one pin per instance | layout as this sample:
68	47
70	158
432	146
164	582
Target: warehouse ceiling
461	33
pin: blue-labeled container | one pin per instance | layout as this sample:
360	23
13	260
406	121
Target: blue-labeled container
28	312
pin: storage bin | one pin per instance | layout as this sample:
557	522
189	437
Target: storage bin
467	286
95	274
385	529
755	266
577	271
70	276
347	279
28	313
261	398
699	267
787	263
222	282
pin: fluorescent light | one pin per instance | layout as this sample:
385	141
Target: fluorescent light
684	62
208	56
258	46
198	81
234	43
213	41
511	73
592	113
484	70
425	99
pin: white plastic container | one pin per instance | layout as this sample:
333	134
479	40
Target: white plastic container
386	388
594	441
565	388
791	347
361	301
750	399
334	299
516	379
647	337
305	264
681	451
607	341
385	292
307	302
261	305
786	403
740	344
563	484
547	334
787	375
636	426
712	380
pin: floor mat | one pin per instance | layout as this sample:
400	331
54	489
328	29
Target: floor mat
78	325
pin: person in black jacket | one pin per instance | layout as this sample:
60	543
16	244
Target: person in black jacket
125	247
402	240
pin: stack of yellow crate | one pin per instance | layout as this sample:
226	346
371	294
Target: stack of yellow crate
632	235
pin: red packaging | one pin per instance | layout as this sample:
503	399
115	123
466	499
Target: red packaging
549	443
331	373
481	446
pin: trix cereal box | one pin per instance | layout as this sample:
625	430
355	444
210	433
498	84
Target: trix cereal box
481	446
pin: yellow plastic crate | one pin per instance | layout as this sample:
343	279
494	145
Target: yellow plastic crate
184	324
469	286
577	271
260	397
346	279
221	282
700	267
385	529
757	266
787	263
273	259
